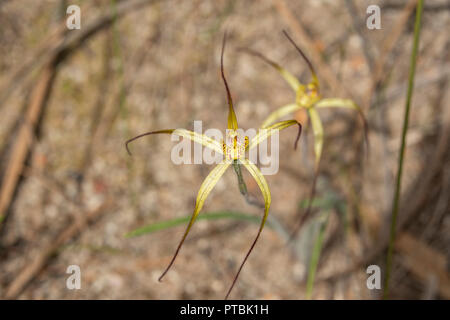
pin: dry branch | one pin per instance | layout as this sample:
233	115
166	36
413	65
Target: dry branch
25	136
65	44
62	40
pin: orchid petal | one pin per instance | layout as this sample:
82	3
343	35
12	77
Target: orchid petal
345	103
265	133
194	136
205	189
232	121
200	138
279	113
315	80
290	79
338	103
261	181
318	135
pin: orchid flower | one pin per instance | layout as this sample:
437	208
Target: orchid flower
233	150
309	98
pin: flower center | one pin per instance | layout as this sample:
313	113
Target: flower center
307	96
234	145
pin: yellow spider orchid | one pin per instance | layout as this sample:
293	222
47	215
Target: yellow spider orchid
233	150
309	98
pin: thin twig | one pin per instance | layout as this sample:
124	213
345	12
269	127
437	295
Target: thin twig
65	42
24	138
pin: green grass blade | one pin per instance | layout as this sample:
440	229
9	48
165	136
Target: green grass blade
396	200
315	255
183	220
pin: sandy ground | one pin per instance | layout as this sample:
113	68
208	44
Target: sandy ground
159	67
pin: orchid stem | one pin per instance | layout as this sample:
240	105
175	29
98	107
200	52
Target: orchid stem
241	182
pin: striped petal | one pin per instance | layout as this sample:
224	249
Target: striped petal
194	136
349	104
205	189
290	79
232	121
316	124
265	133
337	103
279	113
261	181
200	138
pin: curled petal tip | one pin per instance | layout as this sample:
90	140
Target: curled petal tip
298	135
128	150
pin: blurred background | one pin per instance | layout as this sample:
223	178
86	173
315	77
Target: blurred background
69	99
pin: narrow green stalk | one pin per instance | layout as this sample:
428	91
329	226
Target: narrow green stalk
396	200
183	220
315	255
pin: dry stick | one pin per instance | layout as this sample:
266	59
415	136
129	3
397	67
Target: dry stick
63	40
65	46
38	97
24	138
37	58
324	70
28	273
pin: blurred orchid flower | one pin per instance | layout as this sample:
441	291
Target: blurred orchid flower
233	150
307	97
